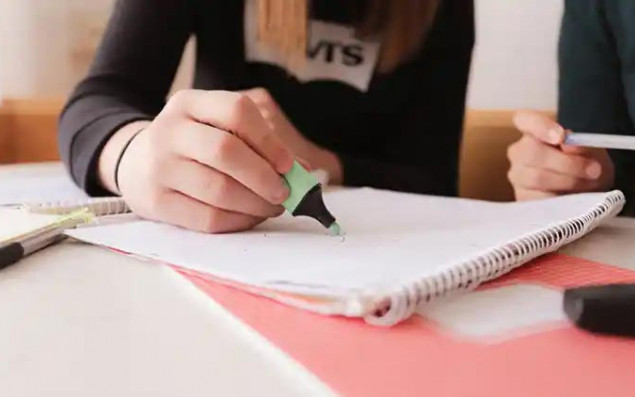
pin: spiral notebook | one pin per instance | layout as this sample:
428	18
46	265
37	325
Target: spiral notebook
105	206
399	251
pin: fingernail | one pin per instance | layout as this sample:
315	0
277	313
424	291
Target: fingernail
282	193
556	134
594	170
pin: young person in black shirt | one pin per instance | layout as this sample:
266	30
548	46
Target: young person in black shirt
596	94
370	91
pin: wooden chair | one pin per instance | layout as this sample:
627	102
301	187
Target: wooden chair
28	130
484	165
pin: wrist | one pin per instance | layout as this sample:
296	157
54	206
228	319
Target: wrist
123	152
112	151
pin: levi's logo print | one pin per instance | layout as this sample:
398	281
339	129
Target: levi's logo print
351	55
333	53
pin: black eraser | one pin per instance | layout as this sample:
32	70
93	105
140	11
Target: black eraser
604	309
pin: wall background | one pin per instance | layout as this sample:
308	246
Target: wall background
515	61
46	45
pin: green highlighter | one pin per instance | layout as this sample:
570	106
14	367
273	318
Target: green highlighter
305	198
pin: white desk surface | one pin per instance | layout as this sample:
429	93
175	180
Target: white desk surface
78	320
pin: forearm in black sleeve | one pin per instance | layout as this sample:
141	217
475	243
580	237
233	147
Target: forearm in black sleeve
422	152
382	174
128	81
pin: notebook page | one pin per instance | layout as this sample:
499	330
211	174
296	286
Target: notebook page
391	238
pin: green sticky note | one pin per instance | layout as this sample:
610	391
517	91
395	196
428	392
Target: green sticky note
300	181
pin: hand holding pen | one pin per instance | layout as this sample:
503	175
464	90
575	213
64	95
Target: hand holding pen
543	165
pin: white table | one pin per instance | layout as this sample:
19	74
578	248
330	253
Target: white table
76	320
81	321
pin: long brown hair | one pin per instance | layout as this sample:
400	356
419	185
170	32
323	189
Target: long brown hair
402	25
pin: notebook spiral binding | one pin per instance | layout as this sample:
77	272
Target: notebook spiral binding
98	207
402	303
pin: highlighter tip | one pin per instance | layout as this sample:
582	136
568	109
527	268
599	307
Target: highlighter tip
335	229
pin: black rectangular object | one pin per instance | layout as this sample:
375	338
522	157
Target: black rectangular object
604	309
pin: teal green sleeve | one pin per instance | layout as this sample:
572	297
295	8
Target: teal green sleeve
597	77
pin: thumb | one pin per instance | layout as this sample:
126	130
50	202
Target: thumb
572	149
539	127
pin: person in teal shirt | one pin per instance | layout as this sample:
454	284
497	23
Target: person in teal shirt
596	94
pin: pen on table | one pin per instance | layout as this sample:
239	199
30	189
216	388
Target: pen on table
13	252
603	141
17	248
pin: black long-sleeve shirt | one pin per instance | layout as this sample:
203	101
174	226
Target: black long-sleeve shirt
399	131
597	77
